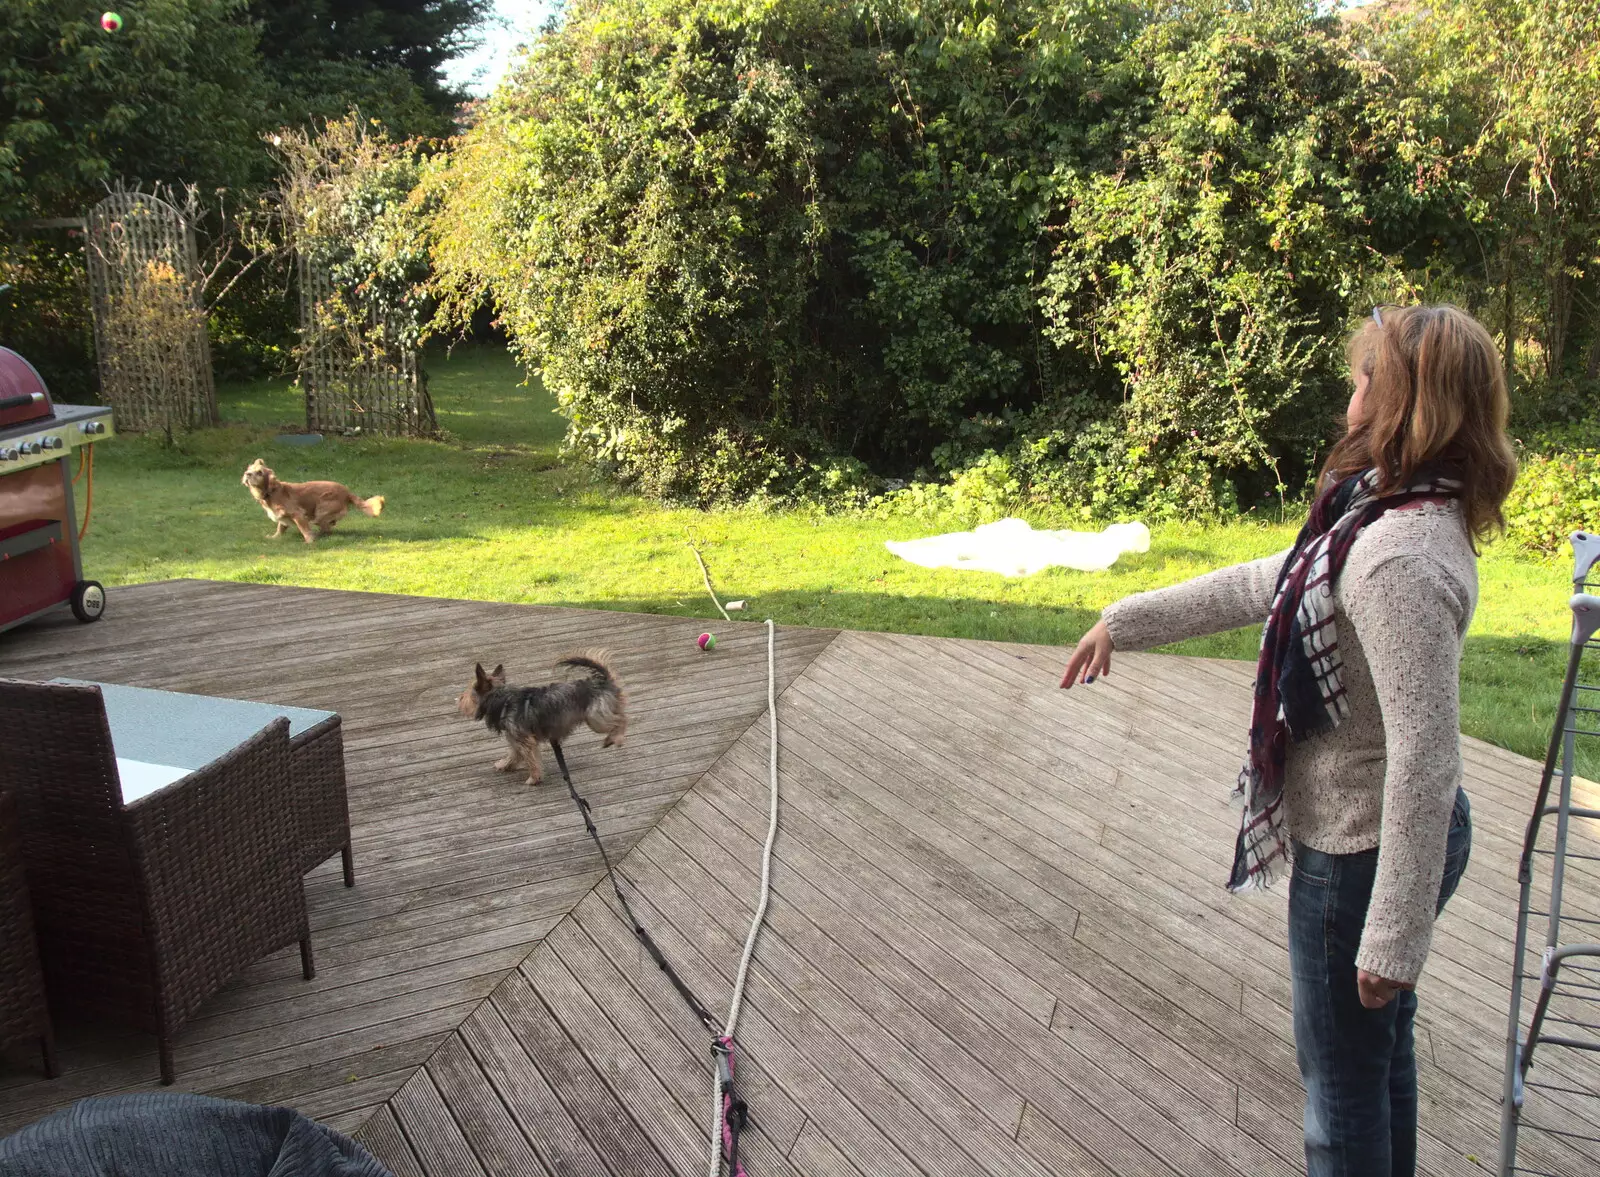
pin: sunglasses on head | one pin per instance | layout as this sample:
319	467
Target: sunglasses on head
1377	312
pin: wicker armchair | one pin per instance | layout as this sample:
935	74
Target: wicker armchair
24	1016
316	753
146	909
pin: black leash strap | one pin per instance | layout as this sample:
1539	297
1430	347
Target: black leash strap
639	932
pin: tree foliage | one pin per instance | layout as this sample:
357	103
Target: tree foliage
383	57
1104	251
176	95
1212	257
183	93
1512	94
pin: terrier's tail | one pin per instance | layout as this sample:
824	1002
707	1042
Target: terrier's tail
372	506
599	673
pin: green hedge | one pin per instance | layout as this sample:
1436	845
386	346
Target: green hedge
795	248
1555	495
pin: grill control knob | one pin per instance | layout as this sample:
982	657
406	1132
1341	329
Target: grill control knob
8	455
53	443
30	447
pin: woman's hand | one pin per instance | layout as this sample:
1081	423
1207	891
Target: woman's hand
1091	659
1376	991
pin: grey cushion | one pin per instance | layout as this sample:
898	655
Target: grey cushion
169	1134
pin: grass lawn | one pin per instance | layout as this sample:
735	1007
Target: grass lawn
491	513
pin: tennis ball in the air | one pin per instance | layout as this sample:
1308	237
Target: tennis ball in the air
110	21
707	641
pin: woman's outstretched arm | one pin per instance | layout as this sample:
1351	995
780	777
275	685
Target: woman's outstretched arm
1213	603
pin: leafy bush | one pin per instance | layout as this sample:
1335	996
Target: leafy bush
1213	265
347	198
1555	495
1115	244
642	204
986	490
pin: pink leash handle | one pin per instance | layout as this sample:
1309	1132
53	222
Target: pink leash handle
724	1052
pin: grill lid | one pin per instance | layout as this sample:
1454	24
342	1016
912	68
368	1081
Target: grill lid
23	396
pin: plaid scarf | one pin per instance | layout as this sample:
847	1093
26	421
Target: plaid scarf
1299	689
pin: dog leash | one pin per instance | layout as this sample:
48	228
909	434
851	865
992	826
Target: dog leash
640	933
732	1115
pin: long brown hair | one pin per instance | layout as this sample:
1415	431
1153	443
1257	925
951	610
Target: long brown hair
1437	394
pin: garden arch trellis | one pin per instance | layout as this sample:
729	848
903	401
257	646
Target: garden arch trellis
354	371
149	314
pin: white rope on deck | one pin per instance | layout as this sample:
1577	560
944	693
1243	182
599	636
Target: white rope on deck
761	906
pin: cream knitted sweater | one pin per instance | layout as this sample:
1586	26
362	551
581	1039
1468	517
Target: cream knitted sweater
1387	775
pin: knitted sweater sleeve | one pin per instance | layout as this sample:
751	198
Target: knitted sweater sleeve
1409	616
1213	603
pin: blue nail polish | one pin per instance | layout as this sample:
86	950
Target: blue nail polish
1090	679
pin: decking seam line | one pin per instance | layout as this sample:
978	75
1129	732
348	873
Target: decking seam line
423	1066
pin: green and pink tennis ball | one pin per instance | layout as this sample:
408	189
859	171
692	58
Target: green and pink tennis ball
111	22
706	641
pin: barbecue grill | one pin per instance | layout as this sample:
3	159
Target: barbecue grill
41	567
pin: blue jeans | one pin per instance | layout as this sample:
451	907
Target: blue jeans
1358	1065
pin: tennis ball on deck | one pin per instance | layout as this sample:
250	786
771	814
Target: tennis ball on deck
707	641
110	21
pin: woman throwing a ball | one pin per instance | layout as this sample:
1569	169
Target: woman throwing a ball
1352	782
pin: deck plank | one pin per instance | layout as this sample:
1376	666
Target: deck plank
382	1136
442	1149
540	1042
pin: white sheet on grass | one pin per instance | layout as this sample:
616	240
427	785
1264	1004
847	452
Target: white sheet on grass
1012	548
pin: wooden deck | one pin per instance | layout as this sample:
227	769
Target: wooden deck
999	943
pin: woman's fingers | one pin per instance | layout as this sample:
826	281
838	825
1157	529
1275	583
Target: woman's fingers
1090	659
1374	990
1075	666
1102	662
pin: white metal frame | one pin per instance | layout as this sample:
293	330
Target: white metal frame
1563	1011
